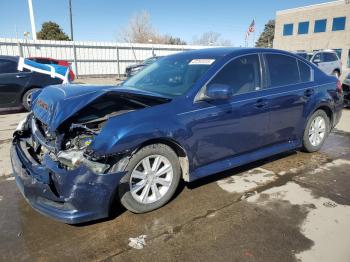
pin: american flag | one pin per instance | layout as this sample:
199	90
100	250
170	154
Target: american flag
251	28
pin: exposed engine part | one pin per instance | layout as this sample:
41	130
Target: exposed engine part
74	159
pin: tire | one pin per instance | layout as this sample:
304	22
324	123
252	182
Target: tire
310	141
336	73
133	195
26	99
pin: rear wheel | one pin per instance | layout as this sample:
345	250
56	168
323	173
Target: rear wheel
316	131
27	98
153	174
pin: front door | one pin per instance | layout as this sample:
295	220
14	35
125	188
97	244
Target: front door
12	83
225	128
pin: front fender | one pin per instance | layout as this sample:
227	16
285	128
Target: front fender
125	133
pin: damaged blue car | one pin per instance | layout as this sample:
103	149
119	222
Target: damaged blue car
186	116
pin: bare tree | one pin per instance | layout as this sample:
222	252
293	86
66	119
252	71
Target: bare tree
211	38
141	30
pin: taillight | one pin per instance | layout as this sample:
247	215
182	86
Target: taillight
339	87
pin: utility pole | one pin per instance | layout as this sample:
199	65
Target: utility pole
32	21
72	38
71	20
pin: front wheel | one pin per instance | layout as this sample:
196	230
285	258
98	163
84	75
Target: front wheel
152	176
27	98
316	131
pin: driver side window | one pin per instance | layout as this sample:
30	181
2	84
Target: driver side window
242	74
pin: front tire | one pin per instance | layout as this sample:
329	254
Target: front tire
152	176
27	98
316	131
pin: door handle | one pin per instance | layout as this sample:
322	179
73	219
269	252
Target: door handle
261	103
21	76
309	92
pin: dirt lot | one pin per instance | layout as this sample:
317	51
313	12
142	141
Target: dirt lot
290	207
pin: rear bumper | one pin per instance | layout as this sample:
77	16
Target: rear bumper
71	197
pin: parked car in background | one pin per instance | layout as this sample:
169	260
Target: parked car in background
186	116
346	90
17	87
304	55
328	61
50	61
134	69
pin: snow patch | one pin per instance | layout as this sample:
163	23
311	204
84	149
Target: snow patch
10	178
329	166
137	242
327	223
1	198
247	181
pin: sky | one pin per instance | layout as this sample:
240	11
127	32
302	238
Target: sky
103	20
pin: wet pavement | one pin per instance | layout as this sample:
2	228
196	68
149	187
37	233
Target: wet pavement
290	207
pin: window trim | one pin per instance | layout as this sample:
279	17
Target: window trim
304	23
284	27
325	26
197	97
270	87
339	17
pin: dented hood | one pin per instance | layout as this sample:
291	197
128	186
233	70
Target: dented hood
55	104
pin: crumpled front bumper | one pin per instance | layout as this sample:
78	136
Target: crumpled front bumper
70	196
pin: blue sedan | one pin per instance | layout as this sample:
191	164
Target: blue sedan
186	116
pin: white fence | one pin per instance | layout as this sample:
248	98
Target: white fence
92	58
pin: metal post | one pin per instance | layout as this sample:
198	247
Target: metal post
72	39
32	21
118	62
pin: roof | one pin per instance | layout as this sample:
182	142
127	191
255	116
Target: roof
229	51
308	7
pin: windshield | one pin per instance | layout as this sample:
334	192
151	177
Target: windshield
171	76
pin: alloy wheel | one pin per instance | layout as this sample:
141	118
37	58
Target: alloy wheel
151	179
317	131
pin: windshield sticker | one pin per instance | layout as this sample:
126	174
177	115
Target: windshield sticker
202	62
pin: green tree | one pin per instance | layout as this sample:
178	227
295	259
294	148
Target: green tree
51	31
266	38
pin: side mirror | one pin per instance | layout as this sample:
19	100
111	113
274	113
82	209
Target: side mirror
218	92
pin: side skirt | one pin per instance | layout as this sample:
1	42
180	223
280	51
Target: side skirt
243	159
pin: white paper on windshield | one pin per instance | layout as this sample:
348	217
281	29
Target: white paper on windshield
202	62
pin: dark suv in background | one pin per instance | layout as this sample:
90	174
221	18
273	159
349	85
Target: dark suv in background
17	87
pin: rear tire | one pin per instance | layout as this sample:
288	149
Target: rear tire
27	98
316	131
143	189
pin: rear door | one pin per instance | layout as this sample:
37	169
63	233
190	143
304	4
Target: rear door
332	62
289	89
12	83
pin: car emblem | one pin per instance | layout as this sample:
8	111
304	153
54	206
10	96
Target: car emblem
42	104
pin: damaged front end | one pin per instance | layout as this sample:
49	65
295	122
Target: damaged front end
56	169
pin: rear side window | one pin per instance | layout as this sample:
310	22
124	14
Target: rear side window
305	72
7	66
242	74
329	57
282	69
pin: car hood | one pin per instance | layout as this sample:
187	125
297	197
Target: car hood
55	104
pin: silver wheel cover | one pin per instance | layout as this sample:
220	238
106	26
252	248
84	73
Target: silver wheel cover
151	179
317	131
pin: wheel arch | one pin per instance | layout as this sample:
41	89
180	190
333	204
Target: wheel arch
179	150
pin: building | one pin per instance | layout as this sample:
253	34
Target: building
315	27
